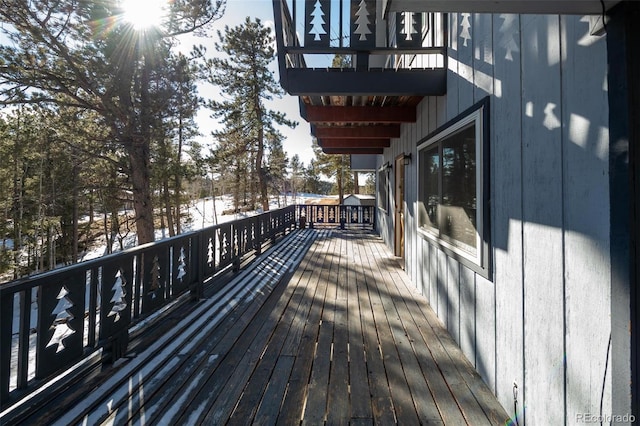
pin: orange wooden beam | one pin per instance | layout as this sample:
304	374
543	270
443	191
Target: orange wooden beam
359	114
358	132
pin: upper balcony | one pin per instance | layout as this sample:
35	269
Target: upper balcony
358	68
391	54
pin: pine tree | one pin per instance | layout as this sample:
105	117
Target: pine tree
244	76
64	54
335	165
296	176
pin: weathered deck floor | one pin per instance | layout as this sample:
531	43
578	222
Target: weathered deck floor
343	341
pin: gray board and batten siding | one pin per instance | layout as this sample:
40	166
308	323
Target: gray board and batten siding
541	322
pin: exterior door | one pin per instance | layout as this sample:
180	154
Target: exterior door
399	209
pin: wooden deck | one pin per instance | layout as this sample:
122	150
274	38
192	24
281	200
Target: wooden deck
340	340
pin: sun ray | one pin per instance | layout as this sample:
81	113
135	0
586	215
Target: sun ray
143	14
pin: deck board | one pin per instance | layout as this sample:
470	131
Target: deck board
342	340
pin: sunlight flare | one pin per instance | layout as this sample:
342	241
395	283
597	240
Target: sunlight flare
144	14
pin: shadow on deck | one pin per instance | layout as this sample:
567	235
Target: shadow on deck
339	339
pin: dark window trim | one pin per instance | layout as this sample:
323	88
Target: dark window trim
383	205
485	266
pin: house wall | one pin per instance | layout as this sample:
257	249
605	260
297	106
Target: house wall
543	319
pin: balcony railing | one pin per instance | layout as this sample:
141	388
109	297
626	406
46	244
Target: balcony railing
54	321
409	43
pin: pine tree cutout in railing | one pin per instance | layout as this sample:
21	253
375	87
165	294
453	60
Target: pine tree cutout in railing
363	24
61	322
224	246
155	277
317	23
118	298
210	257
362	21
182	265
408	26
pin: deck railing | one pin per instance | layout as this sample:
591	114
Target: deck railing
318	215
53	321
311	33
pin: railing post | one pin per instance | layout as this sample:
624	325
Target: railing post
6	329
200	257
24	332
258	234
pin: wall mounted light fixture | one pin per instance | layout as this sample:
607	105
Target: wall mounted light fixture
407	159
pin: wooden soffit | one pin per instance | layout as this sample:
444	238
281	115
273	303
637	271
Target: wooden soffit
353	150
359	114
357	132
354	143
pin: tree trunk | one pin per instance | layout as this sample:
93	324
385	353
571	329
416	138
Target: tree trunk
356	184
74	219
262	176
340	180
140	179
178	187
139	159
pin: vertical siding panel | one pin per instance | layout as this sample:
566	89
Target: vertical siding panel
441	110
542	211
453	306
466	32
411	192
586	219
443	291
423	269
468	313
506	208
486	331
433	115
433	278
482	56
483	61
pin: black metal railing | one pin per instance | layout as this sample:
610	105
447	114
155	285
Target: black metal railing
318	215
402	40
54	320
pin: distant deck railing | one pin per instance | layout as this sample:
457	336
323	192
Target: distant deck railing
318	215
89	309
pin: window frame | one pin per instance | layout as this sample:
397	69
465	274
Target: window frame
383	204
477	115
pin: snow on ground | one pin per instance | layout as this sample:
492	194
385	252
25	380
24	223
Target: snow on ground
200	214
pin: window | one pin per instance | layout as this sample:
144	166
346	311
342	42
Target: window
383	188
452	188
